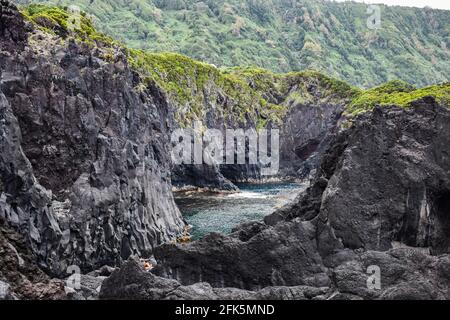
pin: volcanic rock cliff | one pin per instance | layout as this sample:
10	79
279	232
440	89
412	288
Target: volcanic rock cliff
86	176
85	170
85	164
379	201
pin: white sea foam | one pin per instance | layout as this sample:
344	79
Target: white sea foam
249	195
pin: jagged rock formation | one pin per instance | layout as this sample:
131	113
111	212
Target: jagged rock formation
11	27
386	180
85	163
405	274
378	199
283	255
20	277
132	282
304	106
86	176
306	134
85	170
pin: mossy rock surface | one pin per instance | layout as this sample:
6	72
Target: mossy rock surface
65	22
399	94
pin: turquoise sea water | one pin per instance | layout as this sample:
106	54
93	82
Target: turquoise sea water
209	212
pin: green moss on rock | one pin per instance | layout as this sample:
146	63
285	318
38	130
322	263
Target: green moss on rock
65	24
397	93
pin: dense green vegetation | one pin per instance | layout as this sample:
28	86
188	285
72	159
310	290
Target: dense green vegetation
57	20
397	93
238	94
285	35
249	92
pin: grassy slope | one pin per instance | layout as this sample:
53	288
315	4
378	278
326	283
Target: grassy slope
284	36
249	93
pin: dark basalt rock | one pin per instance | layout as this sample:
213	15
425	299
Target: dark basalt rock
202	176
132	282
85	167
385	181
85	179
20	277
379	199
406	274
282	255
305	136
12	27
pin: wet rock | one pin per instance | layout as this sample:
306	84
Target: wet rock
201	176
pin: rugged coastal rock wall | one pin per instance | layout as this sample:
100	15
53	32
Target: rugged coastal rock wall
20	277
379	199
386	180
86	173
305	134
304	106
85	169
86	176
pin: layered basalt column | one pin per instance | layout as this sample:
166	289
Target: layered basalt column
85	165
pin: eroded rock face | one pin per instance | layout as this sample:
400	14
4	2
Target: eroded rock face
201	176
132	282
85	179
384	181
379	202
305	136
282	255
12	27
20	277
85	168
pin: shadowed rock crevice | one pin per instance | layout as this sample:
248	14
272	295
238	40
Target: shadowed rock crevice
440	229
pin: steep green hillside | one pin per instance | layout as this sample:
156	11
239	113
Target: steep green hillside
238	94
286	35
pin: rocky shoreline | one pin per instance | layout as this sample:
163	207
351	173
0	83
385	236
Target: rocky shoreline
84	163
87	182
310	249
